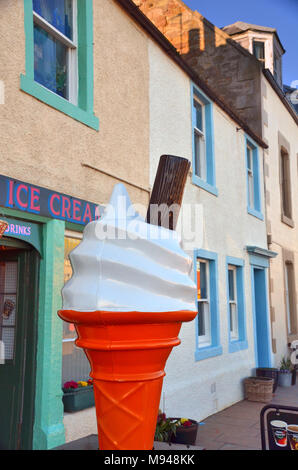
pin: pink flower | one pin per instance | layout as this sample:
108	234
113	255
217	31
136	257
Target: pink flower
187	423
70	384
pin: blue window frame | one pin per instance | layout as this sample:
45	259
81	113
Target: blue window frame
203	174
253	179
236	304
207	322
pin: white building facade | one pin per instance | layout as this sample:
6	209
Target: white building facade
223	227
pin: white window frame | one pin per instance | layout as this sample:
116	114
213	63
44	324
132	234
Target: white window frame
250	176
205	340
72	50
233	314
201	135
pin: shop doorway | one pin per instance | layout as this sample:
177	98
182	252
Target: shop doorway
19	267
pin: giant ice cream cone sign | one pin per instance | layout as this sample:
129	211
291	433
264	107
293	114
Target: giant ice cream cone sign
129	294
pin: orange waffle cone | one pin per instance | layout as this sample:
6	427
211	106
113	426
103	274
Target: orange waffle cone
127	352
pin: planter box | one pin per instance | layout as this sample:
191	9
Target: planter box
258	389
186	435
77	399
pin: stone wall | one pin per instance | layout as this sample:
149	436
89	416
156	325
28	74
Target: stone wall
231	71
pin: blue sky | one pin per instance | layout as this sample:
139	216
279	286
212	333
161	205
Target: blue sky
279	14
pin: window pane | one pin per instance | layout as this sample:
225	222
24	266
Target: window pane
259	50
202	280
201	319
56	12
231	285
8	302
75	365
290	298
204	321
233	320
200	156
50	62
249	158
251	190
286	193
198	115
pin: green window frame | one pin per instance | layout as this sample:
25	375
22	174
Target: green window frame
83	111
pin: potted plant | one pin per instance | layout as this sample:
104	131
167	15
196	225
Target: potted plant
285	372
186	431
176	430
77	395
165	428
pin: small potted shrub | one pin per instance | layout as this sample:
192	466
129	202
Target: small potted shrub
78	395
285	373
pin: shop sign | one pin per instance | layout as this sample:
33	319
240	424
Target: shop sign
26	197
26	231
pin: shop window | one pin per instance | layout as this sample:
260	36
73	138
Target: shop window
8	299
75	365
59	56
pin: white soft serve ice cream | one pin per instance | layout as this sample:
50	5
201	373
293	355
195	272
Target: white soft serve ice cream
125	264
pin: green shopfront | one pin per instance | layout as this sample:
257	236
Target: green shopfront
43	225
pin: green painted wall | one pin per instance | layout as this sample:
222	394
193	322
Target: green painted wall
48	429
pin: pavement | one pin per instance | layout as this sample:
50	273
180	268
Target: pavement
235	428
238	427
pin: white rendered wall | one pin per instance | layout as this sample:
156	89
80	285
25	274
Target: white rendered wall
192	388
284	236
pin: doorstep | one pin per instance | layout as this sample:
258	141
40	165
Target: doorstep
91	443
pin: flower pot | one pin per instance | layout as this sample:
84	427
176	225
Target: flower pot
272	373
285	378
76	399
258	389
185	434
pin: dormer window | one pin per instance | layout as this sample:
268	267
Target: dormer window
259	51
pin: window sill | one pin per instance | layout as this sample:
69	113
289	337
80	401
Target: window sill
286	220
209	351
255	213
55	101
204	185
235	346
